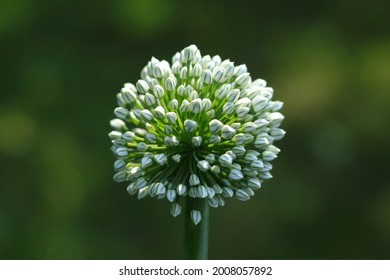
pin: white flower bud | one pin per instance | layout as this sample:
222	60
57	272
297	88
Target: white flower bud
115	135
248	138
239	150
220	200
170	83
176	158
160	189
197	141
142	193
181	90
176	57
265	175
197	70
199	84
195	106
118	164
203	165
189	52
196	216
228	108
277	133
159	112
222	91
131	189
190	125
260	142
206	77
217	59
227	192
128	95
120	101
215	126
233	95
175	209
206	104
171	195
219	75
119	142
253	93
150	137
184	106
194	180
193	192
128	136
146	115
121	113
269	156
158	71
242	195
158	91
249	126
215	169
227	132
181	189
259	103
149	99
243	80
251	155
235	175
276	106
210	114
140	183
257	164
214	139
236	125
239	138
160	159
183	73
176	67
210	158
141	146
173	104
146	161
193	95
118	124
202	191
171	117
168	129
225	160
120	176
213	203
121	152
254	183
142	86
240	69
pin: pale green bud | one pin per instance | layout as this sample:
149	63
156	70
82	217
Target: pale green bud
118	164
210	158
212	202
233	95
219	75
140	183
176	67
239	150
258	103
193	95
276	106
189	52
160	189
254	183
235	175
243	80
257	164
142	193
128	95
146	161
150	137
265	176
249	127
183	73
240	69
197	70
260	142
181	90
228	108
193	192
149	99
119	142
184	106
174	141
222	91
227	192
173	104
215	169
268	156
202	191
210	114
210	192
115	135
206	104
120	176
118	124
251	155
277	133
167	129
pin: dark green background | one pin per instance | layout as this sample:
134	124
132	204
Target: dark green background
62	62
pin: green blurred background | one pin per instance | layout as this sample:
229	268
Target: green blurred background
62	62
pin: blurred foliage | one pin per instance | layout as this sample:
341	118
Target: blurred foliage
62	62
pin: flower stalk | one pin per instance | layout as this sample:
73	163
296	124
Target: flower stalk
196	236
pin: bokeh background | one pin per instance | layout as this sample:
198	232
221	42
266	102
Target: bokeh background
62	62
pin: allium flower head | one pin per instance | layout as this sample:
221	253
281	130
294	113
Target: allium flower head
199	127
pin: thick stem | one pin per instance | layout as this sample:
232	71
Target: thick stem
196	236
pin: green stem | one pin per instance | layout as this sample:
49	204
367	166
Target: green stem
196	236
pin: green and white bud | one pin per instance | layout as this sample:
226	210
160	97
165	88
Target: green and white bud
146	161
225	160
146	115
176	158
141	146
259	103
197	70
121	113
170	83
210	158
242	195
118	124
228	108
168	129
202	192
173	104
149	99
215	169
120	176
175	209
203	165
171	195
142	86
254	183
206	104
194	180
160	159
195	106
215	126
214	139
235	175
142	193
227	192
239	150
227	132
171	117
269	156
150	138
121	152
206	77
181	189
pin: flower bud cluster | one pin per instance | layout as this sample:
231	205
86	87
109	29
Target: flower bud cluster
198	127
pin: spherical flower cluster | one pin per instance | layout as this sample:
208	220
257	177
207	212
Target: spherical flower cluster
199	127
